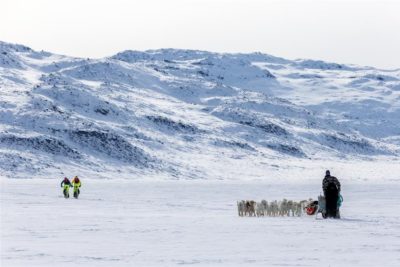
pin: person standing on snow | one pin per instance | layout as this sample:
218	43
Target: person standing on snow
331	187
76	183
66	184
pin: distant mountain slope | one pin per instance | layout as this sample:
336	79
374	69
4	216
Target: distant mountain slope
181	113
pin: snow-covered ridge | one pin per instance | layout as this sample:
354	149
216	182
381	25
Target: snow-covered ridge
189	114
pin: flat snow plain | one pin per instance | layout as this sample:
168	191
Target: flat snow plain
173	223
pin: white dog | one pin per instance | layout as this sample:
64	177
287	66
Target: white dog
283	207
273	209
261	208
264	204
241	208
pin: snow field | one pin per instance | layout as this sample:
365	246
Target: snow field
173	223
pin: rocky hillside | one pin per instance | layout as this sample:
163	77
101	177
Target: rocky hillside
188	114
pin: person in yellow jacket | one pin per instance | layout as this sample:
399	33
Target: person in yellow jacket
66	184
76	183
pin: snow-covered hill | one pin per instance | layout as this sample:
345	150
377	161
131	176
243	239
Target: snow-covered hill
189	114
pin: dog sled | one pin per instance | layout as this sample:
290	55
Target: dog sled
319	206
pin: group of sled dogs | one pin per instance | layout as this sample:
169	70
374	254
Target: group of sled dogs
274	208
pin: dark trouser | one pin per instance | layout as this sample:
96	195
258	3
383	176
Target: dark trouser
66	194
331	197
76	192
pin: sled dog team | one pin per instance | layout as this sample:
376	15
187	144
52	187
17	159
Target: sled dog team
66	184
328	204
273	209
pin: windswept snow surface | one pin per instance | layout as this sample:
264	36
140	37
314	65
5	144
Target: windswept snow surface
175	223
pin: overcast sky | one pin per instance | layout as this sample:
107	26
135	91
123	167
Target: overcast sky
344	31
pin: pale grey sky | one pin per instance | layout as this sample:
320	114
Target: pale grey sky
363	32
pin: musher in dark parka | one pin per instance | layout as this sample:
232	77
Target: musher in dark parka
331	188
